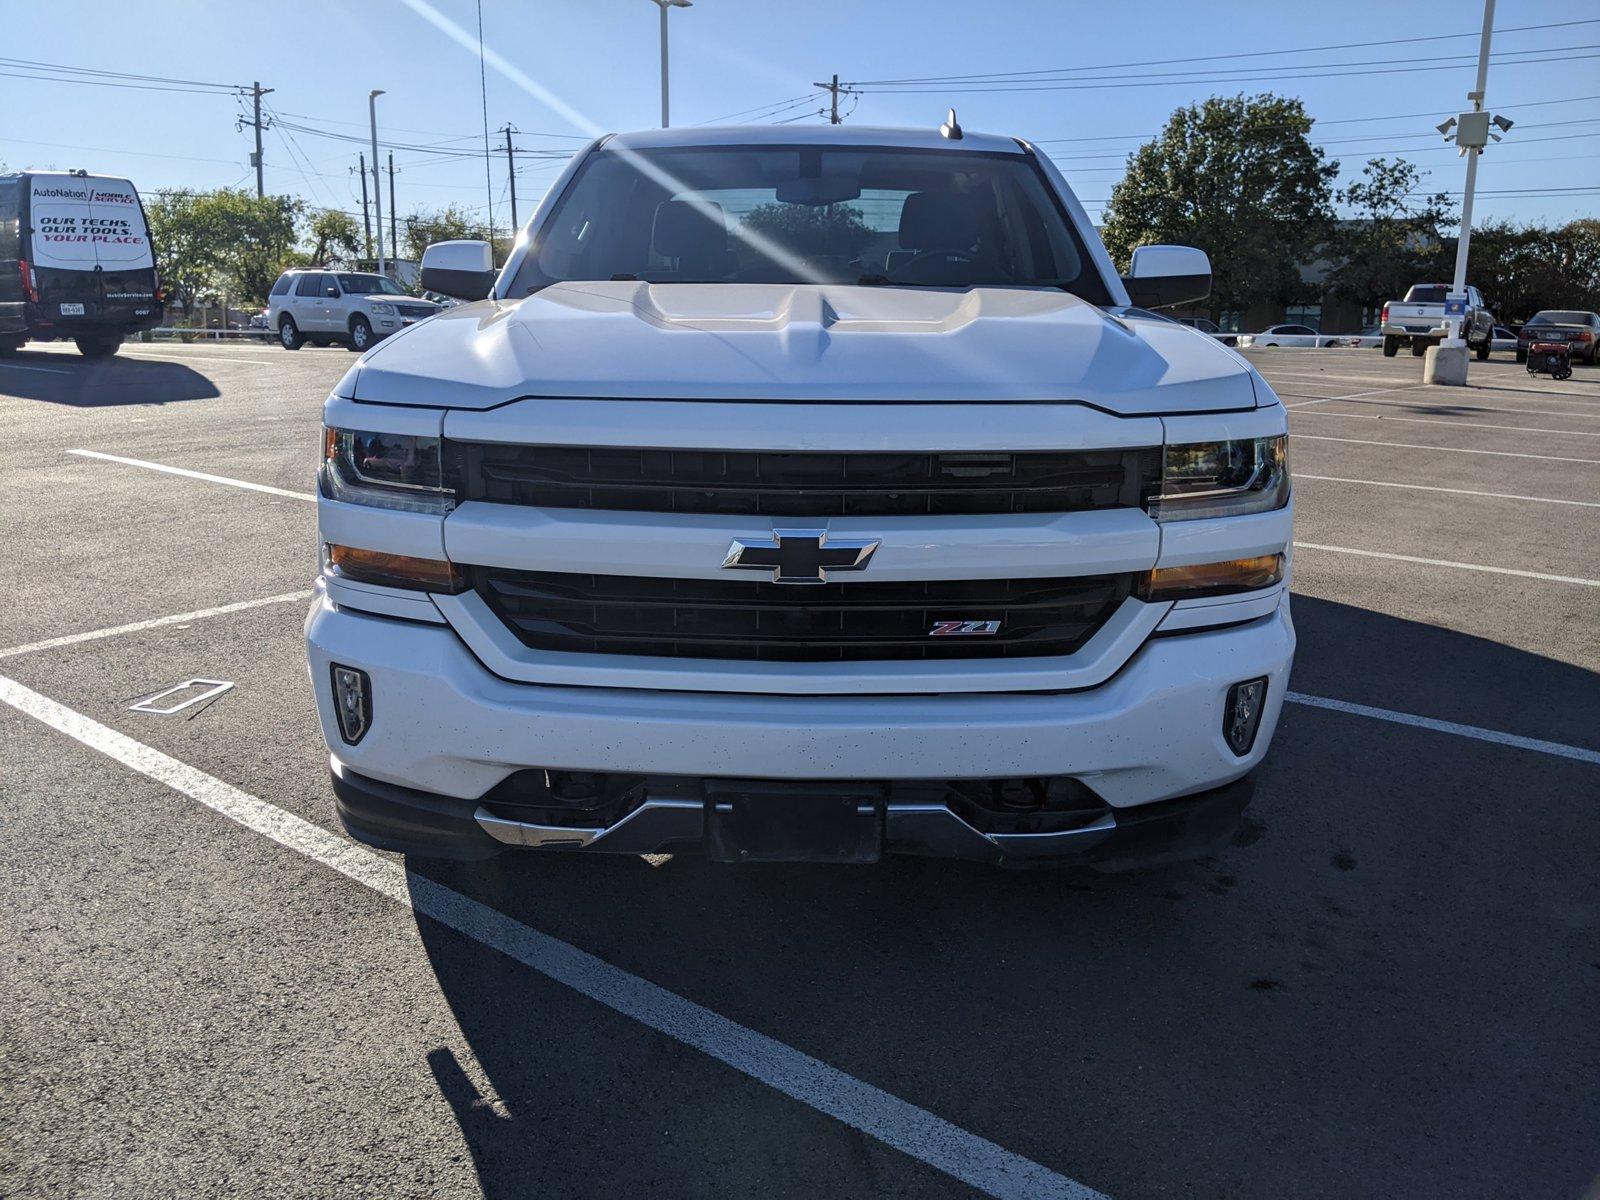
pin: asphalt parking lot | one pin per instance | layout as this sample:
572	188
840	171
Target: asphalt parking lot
1388	985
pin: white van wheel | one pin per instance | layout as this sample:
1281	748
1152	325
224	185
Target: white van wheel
289	334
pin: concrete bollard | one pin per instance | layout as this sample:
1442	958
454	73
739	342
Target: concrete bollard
1445	365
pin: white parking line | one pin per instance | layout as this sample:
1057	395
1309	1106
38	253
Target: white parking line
1444	562
1559	749
1354	395
1319	437
1340	416
42	370
152	466
1423	487
913	1131
94	635
201	356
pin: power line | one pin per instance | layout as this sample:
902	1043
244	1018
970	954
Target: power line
1161	62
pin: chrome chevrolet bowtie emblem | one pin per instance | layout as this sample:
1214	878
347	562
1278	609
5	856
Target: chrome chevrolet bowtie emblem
800	555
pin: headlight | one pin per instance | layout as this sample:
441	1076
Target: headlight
383	310
386	470
1223	479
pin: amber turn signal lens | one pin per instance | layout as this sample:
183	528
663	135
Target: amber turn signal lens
393	570
1211	579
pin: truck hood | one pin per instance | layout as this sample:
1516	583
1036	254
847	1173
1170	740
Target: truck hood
632	340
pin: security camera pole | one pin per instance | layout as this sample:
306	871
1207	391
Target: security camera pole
1447	362
663	5
377	183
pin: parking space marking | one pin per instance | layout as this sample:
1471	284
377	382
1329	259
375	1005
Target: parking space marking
43	370
200	614
1445	421
1423	487
1354	395
1444	562
1320	437
897	1123
1477	733
238	483
180	356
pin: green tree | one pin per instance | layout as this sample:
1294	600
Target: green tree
1394	236
333	232
224	240
1523	268
1238	177
422	228
812	231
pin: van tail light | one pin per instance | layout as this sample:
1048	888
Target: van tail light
30	282
1384	318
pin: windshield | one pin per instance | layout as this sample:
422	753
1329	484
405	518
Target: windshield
1426	293
1555	317
811	214
361	285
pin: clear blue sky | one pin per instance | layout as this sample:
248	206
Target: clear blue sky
597	61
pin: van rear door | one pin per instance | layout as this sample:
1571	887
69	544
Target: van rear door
122	249
60	249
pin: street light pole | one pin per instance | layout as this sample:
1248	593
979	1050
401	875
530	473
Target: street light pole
1459	285
663	5
377	182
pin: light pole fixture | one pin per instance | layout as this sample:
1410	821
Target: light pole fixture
663	5
372	118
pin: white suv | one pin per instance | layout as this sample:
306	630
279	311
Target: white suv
350	307
803	494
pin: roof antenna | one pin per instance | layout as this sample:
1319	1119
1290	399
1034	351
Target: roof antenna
951	127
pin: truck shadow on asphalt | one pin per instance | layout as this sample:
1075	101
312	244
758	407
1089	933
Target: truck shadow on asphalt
1402	911
107	383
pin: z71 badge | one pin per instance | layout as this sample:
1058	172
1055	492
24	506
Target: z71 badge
963	628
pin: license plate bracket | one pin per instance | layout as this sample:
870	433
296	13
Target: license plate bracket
762	820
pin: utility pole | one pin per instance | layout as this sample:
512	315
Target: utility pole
511	175
366	213
256	92
834	90
377	183
394	237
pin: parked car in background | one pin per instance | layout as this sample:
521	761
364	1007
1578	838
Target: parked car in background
1210	329
1418	321
352	308
1287	335
1579	329
75	262
1503	339
441	299
1368	338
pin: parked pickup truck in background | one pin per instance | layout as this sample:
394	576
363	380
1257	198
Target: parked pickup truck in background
1419	321
803	494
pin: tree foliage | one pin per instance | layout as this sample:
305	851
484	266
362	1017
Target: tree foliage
222	241
812	231
1394	237
1523	268
422	228
334	232
1238	177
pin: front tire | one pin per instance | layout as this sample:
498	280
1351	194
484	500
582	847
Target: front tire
103	346
360	334
8	347
1483	351
1419	347
289	335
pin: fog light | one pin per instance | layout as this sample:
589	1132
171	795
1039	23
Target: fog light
1242	716
352	700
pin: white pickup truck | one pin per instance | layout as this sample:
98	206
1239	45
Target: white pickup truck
803	494
1419	321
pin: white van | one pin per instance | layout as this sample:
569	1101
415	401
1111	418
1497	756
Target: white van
75	262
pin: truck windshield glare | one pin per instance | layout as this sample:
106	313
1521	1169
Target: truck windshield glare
811	214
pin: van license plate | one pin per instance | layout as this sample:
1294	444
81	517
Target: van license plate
72	310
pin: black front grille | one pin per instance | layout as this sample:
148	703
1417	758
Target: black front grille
416	310
784	484
831	622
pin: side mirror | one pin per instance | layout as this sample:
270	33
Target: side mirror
462	270
1162	276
